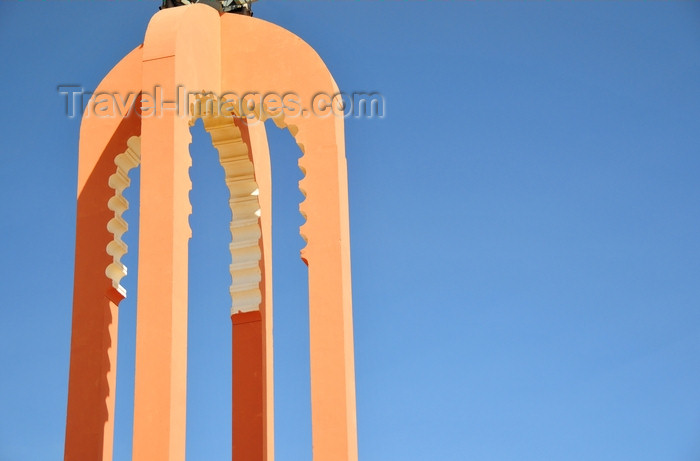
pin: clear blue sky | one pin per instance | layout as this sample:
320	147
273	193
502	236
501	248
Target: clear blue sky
525	231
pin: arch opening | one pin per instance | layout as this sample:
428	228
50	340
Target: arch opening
126	342
209	330
291	315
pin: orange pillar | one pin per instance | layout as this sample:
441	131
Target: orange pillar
161	321
248	386
252	412
93	354
327	255
92	379
172	58
244	155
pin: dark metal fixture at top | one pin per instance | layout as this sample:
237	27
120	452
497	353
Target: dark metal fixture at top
227	6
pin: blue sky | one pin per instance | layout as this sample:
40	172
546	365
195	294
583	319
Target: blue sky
524	225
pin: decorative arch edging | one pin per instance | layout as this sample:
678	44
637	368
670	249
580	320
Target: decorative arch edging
119	181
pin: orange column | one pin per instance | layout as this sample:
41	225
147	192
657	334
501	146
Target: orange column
93	356
92	379
248	386
181	48
256	137
253	422
330	299
161	322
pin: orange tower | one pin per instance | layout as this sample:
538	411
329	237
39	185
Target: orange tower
187	49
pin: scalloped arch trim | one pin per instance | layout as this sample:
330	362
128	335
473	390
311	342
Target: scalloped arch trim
119	181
